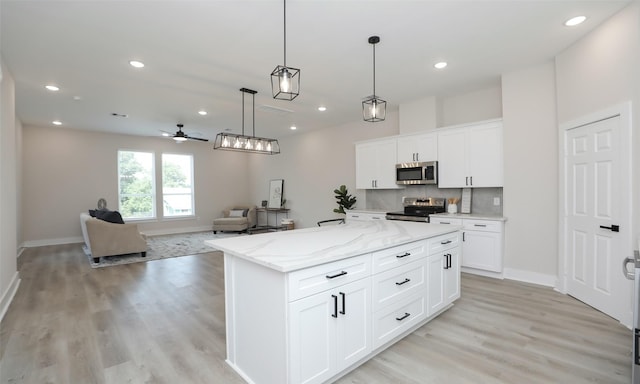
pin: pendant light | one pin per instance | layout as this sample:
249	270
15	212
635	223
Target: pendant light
285	81
374	109
242	143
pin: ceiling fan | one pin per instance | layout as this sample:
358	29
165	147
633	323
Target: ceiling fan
180	136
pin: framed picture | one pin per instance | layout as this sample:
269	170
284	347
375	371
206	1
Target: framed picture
276	190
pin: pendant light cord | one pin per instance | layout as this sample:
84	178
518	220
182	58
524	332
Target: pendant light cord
242	113
374	69
285	33
254	114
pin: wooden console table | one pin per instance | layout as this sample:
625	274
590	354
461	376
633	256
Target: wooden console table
266	226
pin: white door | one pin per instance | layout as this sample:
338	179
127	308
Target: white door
597	199
354	323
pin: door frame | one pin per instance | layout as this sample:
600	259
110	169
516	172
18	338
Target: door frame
623	110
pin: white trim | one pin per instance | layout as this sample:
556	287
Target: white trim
530	277
79	239
9	294
482	272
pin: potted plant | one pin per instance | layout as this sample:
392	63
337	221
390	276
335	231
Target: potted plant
344	199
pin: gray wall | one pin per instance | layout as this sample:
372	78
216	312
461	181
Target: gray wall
66	171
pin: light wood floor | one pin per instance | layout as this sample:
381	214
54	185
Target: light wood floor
163	322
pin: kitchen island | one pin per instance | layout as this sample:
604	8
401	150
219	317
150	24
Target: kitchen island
309	305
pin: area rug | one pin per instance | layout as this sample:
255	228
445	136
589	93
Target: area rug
163	247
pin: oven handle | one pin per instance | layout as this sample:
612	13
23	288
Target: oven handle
625	271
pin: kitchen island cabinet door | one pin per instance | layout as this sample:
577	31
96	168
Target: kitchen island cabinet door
330	331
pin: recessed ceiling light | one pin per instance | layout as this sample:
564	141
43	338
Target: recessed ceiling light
440	65
136	64
77	98
575	21
56	122
202	113
52	88
293	128
322	109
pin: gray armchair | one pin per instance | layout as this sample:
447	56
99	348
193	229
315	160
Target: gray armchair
238	219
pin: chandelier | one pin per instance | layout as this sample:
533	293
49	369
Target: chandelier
244	143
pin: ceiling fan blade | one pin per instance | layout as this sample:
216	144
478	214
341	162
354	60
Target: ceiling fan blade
196	138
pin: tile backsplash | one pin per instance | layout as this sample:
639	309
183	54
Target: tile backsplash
482	199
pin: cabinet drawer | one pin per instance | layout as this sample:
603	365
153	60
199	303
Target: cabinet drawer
482	225
445	220
316	279
441	243
396	256
398	283
393	320
367	216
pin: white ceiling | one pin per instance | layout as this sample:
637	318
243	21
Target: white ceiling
198	54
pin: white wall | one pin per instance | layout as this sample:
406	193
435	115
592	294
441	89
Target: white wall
312	165
530	174
66	171
483	104
600	71
9	132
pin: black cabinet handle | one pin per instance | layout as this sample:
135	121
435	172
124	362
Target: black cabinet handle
636	346
336	275
335	306
405	255
462	236
446	261
406	314
403	282
613	228
449	261
344	308
446	241
470	180
466	180
479	225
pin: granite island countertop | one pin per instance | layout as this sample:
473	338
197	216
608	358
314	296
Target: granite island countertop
287	251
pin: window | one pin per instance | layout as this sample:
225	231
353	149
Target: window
177	185
136	185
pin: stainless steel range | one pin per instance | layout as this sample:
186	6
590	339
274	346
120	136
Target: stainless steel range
418	209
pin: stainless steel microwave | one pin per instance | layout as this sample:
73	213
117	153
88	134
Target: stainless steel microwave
417	173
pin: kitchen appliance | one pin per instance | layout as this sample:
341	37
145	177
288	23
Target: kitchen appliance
418	209
635	275
425	172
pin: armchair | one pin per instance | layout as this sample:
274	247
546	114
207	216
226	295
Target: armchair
238	218
109	239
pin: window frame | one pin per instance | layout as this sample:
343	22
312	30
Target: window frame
152	194
192	186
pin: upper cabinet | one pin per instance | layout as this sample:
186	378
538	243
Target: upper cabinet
422	147
376	164
471	156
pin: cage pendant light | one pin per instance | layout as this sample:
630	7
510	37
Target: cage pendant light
285	81
374	109
246	143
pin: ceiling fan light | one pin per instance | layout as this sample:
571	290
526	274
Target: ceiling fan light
180	138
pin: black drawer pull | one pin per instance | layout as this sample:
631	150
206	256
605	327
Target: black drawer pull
405	255
406	314
445	222
336	275
480	225
403	282
344	307
335	306
445	242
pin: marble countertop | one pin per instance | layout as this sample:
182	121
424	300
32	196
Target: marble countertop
367	211
470	216
287	251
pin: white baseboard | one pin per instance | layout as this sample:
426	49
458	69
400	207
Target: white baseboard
9	294
530	277
79	239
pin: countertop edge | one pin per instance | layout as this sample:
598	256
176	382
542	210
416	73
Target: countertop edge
306	264
469	216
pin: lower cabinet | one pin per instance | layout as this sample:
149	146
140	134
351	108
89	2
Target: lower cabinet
444	279
482	245
329	331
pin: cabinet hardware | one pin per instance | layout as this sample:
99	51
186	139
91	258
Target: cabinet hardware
466	180
355	216
462	236
613	228
335	306
470	180
479	225
344	308
446	241
636	345
445	222
446	261
375	218
405	255
449	262
336	275
403	282
406	314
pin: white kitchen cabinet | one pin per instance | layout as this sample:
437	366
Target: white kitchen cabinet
482	245
422	147
443	269
330	331
376	164
471	156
